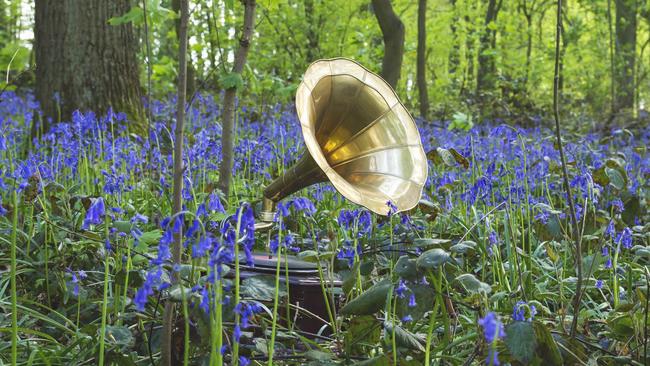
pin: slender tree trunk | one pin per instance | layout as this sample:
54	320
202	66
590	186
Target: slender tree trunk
486	77
626	12
422	61
228	121
529	47
612	86
168	358
454	53
88	62
392	29
312	36
191	71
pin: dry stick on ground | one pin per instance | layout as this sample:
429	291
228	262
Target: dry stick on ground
168	317
228	122
565	174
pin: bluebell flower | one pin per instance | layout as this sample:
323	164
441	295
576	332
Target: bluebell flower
492	330
392	209
412	302
95	213
625	238
243	361
401	289
407	318
617	205
610	230
599	284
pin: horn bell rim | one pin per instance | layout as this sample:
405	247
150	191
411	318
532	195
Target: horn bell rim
344	66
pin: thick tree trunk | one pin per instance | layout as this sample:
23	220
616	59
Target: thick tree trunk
228	121
626	11
392	29
422	60
486	77
88	62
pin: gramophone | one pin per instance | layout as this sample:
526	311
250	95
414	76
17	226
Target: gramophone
362	139
359	136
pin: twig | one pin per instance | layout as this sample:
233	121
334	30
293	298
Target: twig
565	173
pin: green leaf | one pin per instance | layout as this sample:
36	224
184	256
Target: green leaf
432	258
547	349
135	15
375	361
403	337
118	335
424	296
616	179
231	80
463	247
370	301
361	330
261	288
472	284
521	342
406	268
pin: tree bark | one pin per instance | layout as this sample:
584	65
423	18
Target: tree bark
486	76
191	71
626	11
228	122
168	358
88	62
392	30
422	61
313	50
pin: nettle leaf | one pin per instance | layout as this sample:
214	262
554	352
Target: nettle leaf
473	284
521	342
370	301
432	259
231	80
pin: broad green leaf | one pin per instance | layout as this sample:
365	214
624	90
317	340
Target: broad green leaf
432	258
261	288
521	342
406	268
616	179
472	284
463	247
403	337
361	330
424	296
370	301
118	335
547	349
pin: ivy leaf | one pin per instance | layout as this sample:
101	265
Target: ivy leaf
521	342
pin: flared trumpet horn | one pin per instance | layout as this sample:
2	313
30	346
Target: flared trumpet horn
359	136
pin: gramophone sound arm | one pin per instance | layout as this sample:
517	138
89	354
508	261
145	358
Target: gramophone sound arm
303	174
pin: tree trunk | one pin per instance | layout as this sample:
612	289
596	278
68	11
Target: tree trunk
486	77
392	29
191	71
88	63
312	36
168	357
455	48
422	61
626	11
228	122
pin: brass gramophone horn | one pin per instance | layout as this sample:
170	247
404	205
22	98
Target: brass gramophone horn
359	136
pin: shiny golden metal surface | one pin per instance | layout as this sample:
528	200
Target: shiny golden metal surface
359	137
